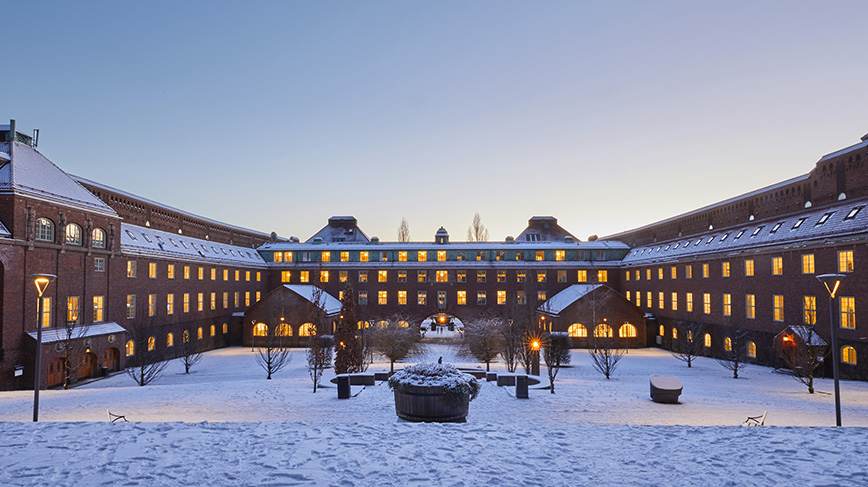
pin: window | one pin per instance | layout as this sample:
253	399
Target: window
688	300
247	276
560	255
383	297
603	331
131	306
402	256
363	276
824	218
152	270
323	276
384	256
72	309
807	263
727	344
462	297
225	300
258	276
170	304
809	310
260	330
583	276
246	298
845	261
627	274
674	272
562	276
98	306
285	276
848	355
638	298
170	340
521	297
480	297
441	255
660	300
501	297
848	312
45	230
199	333
213	274
73	234
152	304
421	298
213	301
751	349
152	344
402	276
674	333
777	266
480	276
422	255
648	299
662	331
750	306
674	301
186	272
577	330
705	271
778	308
602	276
363	256
727	305
283	330
647	274
442	276
363	297
659	273
237	275
343	276
748	268
170	271
628	295
186	304
402	297
501	276
237	299
201	273
707	340
97	238
540	255
688	272
225	274
225	328
201	301
326	257
540	276
627	330
306	330
724	269
278	257
461	276
304	276
130	348
706	303
99	264
131	268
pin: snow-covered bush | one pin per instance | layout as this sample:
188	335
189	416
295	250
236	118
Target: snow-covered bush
456	384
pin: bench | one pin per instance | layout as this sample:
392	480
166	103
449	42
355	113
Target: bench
114	418
756	420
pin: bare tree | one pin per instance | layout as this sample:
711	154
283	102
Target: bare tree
319	346
144	365
272	352
348	345
523	329
735	355
73	333
690	343
605	355
482	340
512	344
556	353
477	231
807	354
189	353
395	341
404	231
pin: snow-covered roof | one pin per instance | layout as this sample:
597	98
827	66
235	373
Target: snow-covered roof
560	301
166	207
808	336
848	217
157	243
845	150
52	335
30	173
330	304
431	246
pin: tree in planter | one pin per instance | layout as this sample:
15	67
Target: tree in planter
348	345
735	353
689	343
807	354
189	353
144	365
556	353
395	341
482	340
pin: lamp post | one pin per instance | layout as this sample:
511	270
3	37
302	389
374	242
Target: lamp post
832	283
534	364
41	281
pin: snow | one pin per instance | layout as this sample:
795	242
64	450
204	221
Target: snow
224	424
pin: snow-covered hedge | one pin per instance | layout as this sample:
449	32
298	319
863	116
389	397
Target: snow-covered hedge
455	384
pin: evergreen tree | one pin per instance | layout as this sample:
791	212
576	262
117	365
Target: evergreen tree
348	347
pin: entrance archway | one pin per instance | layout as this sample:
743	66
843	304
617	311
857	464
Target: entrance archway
441	323
88	366
112	359
55	372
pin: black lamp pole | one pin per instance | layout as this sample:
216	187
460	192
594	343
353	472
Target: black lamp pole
832	283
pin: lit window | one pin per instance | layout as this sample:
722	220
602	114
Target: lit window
674	333
200	301
461	276
199	333
258	276
660	299
130	348
44	230
480	276
660	273
283	330
225	274
809	306
442	276
213	274
326	257
170	304
638	298
225	328
627	330
540	276
131	268
73	234
778	307
402	276
422	256
661	331
186	302
648	299
363	256
462	297
131	306
751	349
170	340
602	276
501	297
201	273
688	272
577	330
363	297
845	261
777	266
748	268
707	340
323	276
402	297
152	344
647	274
688	300
260	330
674	301
480	297
213	301
402	256
345	256
583	276
246	298
627	274
152	270
727	304
540	255
501	276
285	276
382	297
674	272
225	300
727	344
421	298
807	263
363	276
560	255
441	255
706	303
848	355
304	276
170	271
603	331
848	312
562	276
343	276
724	269
705	270
237	275
278	257
237	299
97	238
98	303
186	272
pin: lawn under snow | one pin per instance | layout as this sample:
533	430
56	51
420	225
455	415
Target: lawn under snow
224	424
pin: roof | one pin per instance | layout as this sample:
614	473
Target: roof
52	335
562	300
331	306
845	150
157	243
30	173
807	335
3	231
431	246
845	218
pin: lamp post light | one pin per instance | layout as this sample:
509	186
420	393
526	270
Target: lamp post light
41	281
832	283
534	364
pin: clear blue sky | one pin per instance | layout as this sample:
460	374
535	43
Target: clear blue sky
276	115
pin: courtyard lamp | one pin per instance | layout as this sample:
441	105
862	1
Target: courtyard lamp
41	281
832	283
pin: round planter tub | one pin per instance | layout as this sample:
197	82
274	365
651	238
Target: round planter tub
429	404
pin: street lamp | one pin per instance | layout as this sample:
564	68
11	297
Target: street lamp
832	283
41	281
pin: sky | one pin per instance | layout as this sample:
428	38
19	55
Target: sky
276	115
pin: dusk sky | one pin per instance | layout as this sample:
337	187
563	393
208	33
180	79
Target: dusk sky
277	115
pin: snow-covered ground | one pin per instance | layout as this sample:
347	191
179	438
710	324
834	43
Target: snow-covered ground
224	424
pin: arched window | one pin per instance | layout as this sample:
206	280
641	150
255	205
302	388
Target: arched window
708	340
152	344
727	344
306	330
73	234
602	331
170	340
284	330
98	238
225	328
199	333
627	330
674	333
260	330
751	349
213	330
185	336
662	331
131	348
382	324
403	324
364	324
577	330
45	230
848	355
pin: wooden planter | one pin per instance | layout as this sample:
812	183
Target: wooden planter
429	404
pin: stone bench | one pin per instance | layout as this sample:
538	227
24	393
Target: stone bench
509	380
665	389
361	379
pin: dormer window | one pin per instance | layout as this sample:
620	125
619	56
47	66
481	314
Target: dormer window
130	234
756	232
724	237
146	237
740	233
823	218
799	223
853	213
776	227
